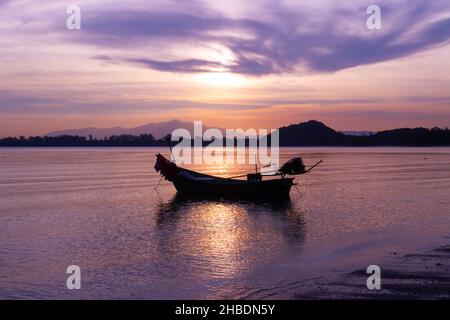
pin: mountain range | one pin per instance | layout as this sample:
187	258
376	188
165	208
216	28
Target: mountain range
157	130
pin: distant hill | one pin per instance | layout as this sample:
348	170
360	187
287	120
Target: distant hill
310	133
315	133
157	130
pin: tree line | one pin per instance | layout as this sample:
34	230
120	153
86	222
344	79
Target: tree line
143	140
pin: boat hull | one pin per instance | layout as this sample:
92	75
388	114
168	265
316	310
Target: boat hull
278	188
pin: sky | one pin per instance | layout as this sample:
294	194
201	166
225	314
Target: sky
230	64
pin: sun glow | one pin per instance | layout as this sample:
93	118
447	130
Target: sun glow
221	79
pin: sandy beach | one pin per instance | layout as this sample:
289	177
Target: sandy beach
423	275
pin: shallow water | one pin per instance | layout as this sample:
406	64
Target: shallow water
97	208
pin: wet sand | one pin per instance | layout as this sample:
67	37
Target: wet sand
412	276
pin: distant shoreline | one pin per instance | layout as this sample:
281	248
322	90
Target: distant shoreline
307	134
297	146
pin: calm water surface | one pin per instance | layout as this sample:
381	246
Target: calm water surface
97	208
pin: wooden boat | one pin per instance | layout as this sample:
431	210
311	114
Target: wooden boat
188	182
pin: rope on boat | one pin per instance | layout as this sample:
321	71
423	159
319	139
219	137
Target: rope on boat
314	166
156	187
298	190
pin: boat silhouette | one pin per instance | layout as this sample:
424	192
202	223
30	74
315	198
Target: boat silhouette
192	183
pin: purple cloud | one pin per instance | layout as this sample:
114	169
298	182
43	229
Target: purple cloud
18	102
270	39
184	66
275	46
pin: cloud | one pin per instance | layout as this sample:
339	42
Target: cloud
291	40
262	38
184	66
135	25
19	102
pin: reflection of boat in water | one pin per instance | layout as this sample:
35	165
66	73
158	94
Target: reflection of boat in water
193	183
182	210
